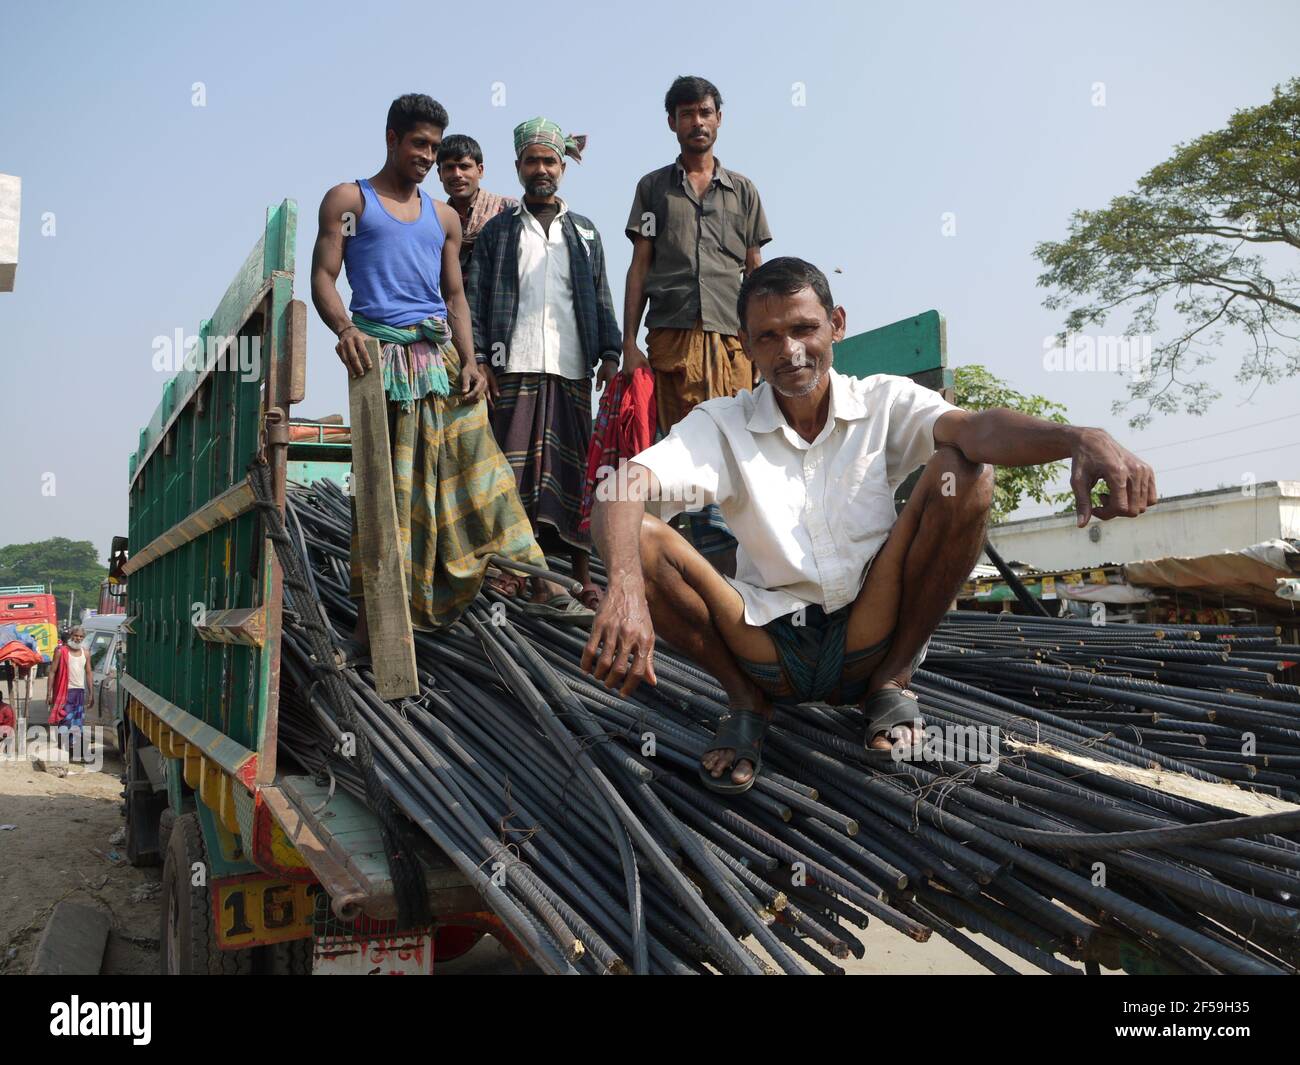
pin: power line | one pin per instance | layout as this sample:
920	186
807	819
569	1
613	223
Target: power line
1225	458
1211	436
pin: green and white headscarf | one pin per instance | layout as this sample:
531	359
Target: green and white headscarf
543	131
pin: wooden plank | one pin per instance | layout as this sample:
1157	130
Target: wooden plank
383	570
1221	796
297	390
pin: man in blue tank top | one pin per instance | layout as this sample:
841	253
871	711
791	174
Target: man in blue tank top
402	254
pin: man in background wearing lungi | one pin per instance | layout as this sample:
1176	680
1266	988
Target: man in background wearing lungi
543	322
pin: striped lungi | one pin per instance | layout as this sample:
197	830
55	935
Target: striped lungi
456	503
543	423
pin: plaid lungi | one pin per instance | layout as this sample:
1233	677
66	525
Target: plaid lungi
543	423
456	503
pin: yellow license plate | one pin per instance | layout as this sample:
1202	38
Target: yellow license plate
253	910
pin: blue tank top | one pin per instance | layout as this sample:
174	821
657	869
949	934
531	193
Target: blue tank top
393	267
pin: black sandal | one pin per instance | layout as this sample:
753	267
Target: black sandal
889	708
741	731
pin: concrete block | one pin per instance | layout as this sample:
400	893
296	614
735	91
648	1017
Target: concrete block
10	199
73	942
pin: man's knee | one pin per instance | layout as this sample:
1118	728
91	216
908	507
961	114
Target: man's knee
656	542
964	484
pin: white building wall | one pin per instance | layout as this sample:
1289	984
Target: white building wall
10	197
1199	524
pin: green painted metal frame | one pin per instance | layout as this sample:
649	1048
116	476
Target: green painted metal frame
208	428
914	347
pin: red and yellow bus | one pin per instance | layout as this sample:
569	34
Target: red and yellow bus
32	610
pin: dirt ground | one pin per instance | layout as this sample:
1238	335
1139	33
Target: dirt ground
63	845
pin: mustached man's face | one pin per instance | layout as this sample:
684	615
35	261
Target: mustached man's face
460	177
696	125
539	170
413	154
790	338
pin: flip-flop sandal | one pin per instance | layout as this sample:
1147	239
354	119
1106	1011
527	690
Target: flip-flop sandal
560	607
741	731
889	708
591	595
511	585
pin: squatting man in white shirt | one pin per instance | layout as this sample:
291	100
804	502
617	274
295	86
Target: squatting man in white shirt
835	596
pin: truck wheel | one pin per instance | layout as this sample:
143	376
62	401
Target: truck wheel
144	807
166	820
286	959
188	941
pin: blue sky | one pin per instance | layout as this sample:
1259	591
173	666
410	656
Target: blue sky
912	111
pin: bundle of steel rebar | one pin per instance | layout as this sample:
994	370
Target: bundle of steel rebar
1099	815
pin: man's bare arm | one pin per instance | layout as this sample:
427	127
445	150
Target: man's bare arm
472	380
342	205
620	651
753	259
1009	438
634	301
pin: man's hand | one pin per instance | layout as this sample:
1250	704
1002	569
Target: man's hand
352	351
608	368
633	359
1131	483
493	389
620	652
473	381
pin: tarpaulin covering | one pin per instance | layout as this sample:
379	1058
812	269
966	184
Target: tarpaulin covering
18	647
1251	573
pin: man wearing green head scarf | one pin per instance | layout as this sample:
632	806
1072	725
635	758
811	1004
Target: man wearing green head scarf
543	322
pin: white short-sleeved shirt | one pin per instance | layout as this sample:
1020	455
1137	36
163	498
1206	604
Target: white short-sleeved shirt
808	517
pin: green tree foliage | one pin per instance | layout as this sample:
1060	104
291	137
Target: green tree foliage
1211	236
66	564
977	389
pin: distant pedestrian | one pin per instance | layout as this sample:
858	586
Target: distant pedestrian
72	690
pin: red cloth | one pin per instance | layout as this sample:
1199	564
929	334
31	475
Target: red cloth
625	426
20	655
7	715
57	696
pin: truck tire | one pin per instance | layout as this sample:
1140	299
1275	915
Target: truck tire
165	822
287	959
144	806
188	942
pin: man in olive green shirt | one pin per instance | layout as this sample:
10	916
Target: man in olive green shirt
696	230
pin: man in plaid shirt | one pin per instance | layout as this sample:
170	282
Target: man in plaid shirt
543	322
